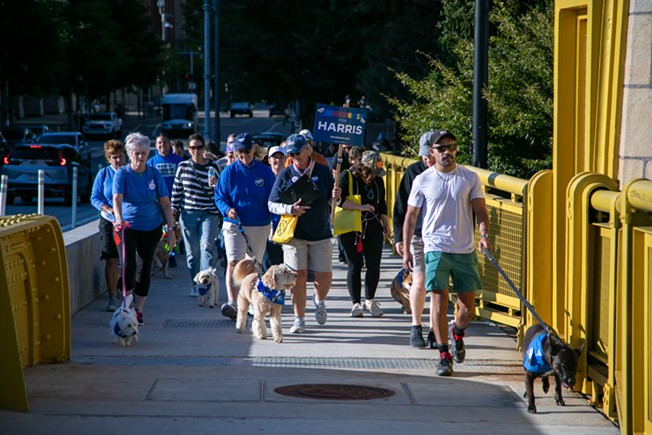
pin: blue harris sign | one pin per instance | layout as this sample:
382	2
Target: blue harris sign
340	125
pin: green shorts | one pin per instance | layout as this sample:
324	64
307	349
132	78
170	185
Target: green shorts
463	268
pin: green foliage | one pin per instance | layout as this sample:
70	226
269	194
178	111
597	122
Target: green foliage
32	35
87	46
317	52
519	94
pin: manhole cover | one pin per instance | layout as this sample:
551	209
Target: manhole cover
334	392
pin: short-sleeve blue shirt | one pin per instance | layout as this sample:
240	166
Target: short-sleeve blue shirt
140	193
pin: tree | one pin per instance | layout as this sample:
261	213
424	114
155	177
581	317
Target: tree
284	51
519	94
33	65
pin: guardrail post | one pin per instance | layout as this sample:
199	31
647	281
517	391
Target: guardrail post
73	220
3	195
41	192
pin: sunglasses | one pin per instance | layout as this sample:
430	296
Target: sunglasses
198	147
444	148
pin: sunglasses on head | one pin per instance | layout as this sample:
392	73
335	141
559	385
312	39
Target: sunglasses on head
443	148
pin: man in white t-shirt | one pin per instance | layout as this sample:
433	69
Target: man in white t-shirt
449	194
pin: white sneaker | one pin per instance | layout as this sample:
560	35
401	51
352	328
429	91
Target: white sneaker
356	311
372	306
299	326
193	291
320	310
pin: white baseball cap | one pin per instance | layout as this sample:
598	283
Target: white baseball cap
276	149
306	133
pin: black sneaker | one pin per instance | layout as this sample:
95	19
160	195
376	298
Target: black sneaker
457	346
228	310
416	337
172	261
431	340
139	317
445	365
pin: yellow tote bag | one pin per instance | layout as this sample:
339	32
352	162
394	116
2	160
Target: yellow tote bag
346	221
285	229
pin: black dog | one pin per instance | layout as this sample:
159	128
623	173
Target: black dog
544	353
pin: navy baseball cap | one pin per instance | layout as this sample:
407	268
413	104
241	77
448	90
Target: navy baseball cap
243	141
295	143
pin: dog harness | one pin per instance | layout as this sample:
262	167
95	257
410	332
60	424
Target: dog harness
117	330
276	296
535	361
400	276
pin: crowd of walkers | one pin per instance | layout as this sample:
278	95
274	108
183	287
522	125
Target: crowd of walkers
229	206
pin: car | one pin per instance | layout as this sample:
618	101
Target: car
103	124
241	108
38	129
268	138
18	134
72	138
278	110
4	148
23	162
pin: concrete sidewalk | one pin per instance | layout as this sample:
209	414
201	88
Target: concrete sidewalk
192	373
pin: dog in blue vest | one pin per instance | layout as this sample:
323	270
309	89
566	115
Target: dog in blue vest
545	354
208	287
266	294
124	324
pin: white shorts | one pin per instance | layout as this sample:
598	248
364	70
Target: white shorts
236	246
305	254
418	259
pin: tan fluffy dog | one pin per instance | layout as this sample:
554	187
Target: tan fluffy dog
400	289
160	261
278	278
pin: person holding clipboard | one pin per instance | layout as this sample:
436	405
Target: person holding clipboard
305	189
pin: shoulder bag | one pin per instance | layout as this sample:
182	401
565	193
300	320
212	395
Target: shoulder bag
346	221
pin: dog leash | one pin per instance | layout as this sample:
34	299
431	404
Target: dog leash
493	261
119	240
249	248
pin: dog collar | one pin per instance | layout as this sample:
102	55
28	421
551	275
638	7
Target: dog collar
535	360
118	331
276	296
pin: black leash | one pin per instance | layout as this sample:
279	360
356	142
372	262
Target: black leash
249	248
493	261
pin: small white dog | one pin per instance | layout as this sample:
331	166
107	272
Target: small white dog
266	295
124	324
208	287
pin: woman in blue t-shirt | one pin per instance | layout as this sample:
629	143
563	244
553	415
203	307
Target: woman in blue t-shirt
140	203
102	199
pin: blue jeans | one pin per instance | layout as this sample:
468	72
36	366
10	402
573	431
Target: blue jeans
199	229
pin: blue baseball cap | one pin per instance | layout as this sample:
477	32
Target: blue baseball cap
243	141
294	143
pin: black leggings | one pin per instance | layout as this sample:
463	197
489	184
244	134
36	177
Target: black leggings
372	252
144	243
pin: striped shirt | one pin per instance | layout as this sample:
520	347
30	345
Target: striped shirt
190	190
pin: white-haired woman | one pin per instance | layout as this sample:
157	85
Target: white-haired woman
141	204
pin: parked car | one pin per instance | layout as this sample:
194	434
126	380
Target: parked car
241	108
22	163
72	138
268	138
278	110
38	129
103	124
4	148
18	134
